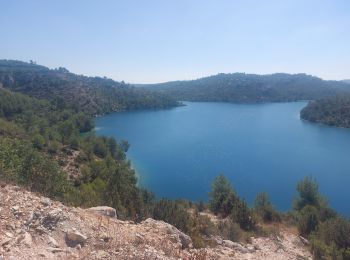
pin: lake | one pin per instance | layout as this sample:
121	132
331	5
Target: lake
260	147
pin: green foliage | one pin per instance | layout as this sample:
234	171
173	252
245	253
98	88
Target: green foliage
311	208
147	202
201	206
248	88
10	129
264	209
38	141
222	196
308	194
22	164
52	147
224	201
328	233
91	95
92	193
51	131
35	132
331	240
173	212
242	215
100	148
326	213
230	230
308	219
84	123
67	130
201	226
333	111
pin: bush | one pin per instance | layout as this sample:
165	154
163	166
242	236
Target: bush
84	123
22	164
230	230
93	193
264	209
74	143
38	141
308	194
242	215
201	226
53	147
222	196
332	239
327	213
200	205
10	129
308	220
322	251
100	148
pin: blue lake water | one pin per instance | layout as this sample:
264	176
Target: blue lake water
259	147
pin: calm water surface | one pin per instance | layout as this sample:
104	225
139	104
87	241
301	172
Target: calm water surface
264	147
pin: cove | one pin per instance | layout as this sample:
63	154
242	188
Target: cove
259	147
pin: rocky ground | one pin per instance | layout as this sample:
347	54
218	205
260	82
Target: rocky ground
34	227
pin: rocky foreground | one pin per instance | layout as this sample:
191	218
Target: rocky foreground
34	227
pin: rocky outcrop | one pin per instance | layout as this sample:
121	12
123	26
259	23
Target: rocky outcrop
179	236
33	227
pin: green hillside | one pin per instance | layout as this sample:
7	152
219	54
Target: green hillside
251	88
92	95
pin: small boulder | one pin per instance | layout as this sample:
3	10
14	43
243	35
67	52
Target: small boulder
52	242
217	239
103	211
179	236
45	201
74	237
186	241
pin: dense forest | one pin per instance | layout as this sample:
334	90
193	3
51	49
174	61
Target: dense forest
333	111
42	148
91	95
251	88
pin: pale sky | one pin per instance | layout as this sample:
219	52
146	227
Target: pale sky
161	40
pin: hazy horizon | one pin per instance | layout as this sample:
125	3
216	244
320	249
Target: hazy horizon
156	41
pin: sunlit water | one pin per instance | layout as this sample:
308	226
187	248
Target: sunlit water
260	147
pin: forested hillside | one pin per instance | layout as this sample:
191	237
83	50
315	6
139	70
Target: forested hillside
42	115
240	87
334	111
43	150
91	95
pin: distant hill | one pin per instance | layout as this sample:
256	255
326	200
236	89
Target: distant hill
92	95
241	87
346	81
